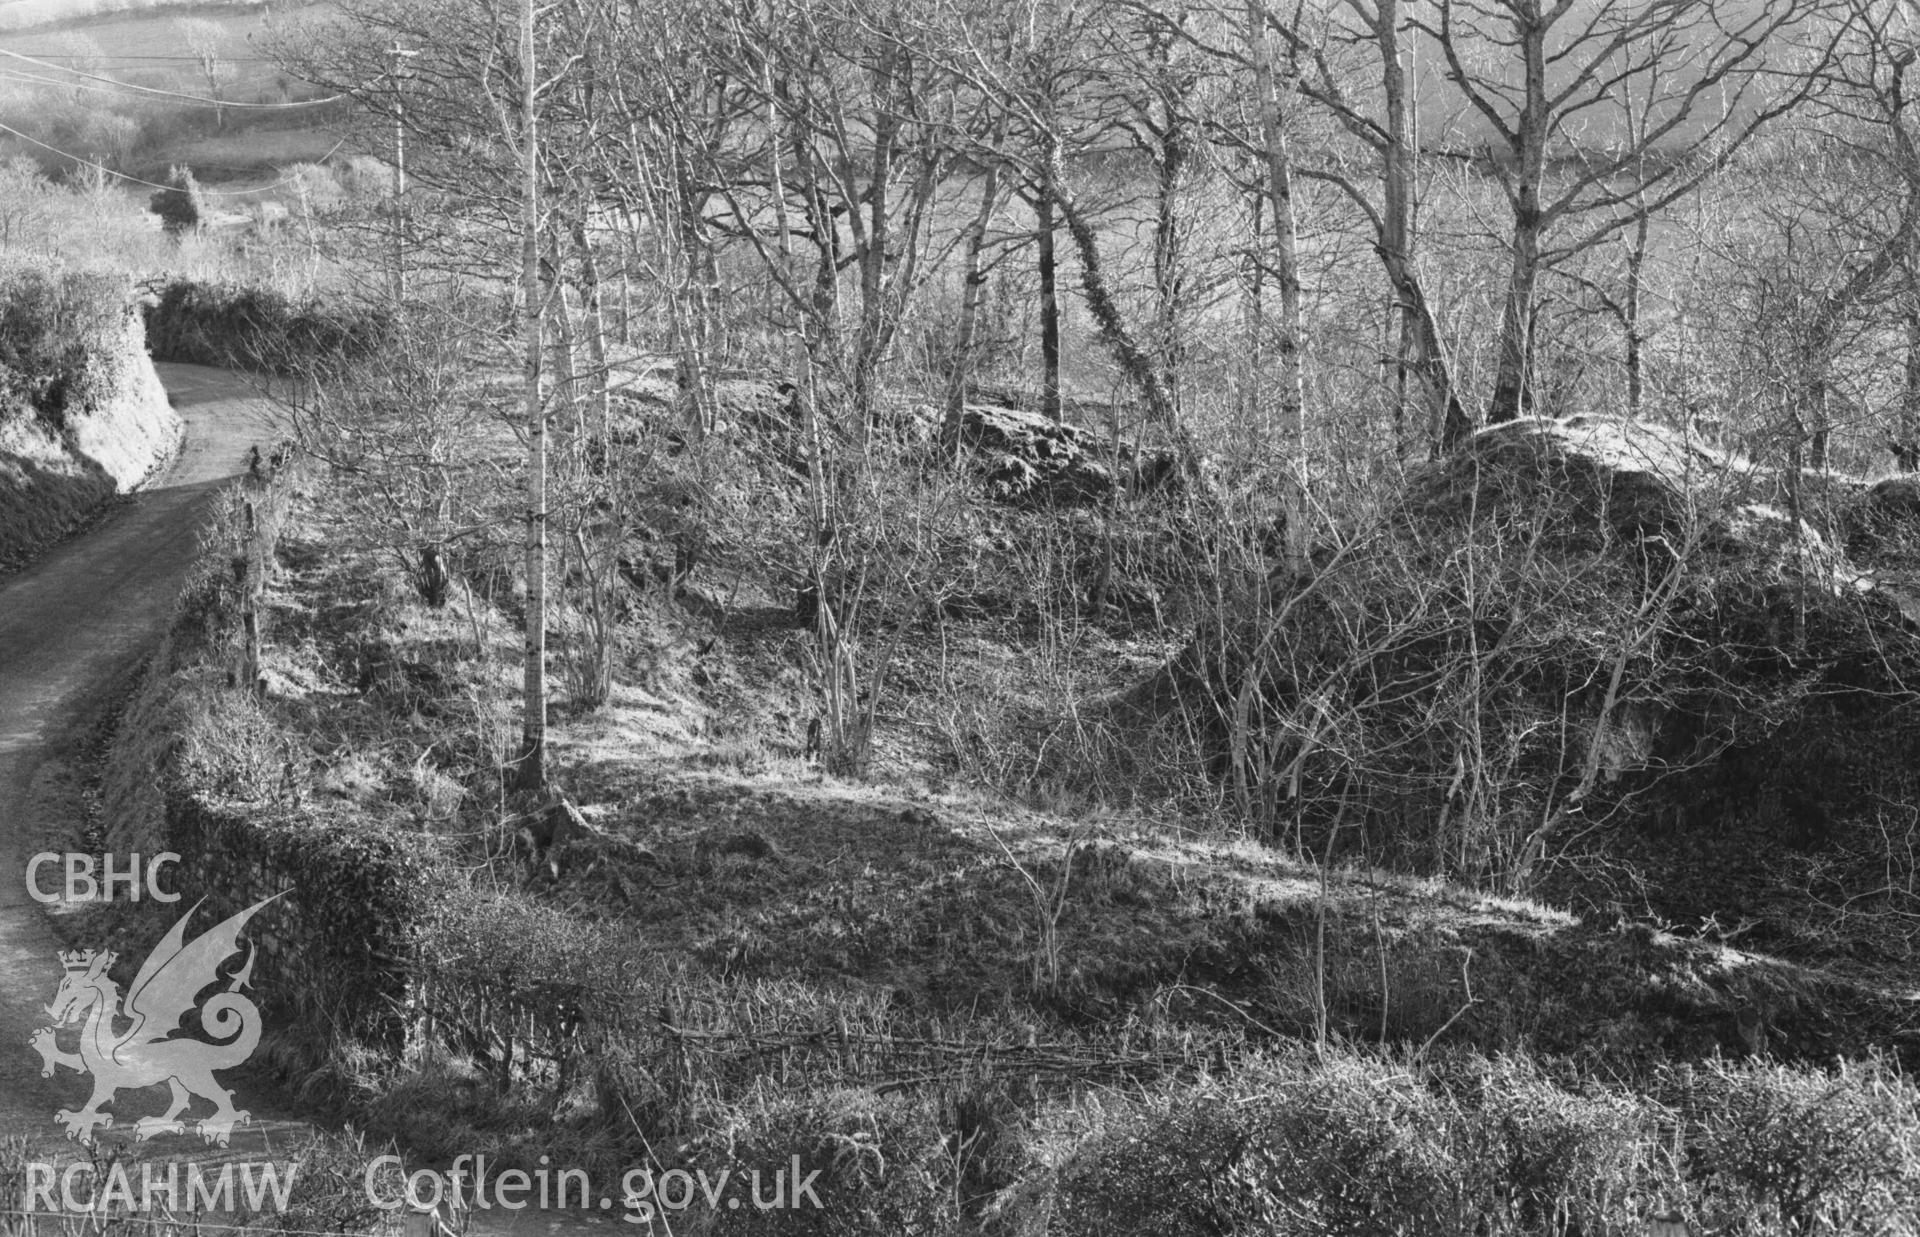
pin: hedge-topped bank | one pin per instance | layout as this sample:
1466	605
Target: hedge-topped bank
330	950
254	328
199	766
83	416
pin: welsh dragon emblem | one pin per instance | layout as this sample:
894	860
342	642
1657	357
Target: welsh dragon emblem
140	1054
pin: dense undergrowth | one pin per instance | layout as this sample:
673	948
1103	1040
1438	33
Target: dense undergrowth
247	327
1019	977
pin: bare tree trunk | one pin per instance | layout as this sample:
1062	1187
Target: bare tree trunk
1818	428
586	629
1817	363
252	567
1905	439
599	402
626	306
682	268
1513	379
571	437
695	298
1286	275
1420	351
1635	327
1448	424
875	313
1396	221
1134	360
972	292
1044	212
1256	309
823	335
531	773
1169	289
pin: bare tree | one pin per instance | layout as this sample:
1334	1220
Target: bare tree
1049	72
1329	59
206	41
1546	80
1873	133
676	117
396	430
500	136
1823	289
531	767
1286	267
1903	437
26	201
973	284
848	144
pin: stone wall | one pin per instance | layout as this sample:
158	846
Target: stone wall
330	950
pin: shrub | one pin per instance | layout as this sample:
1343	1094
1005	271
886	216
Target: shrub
1360	1145
57	328
180	206
1566	1161
882	1162
1777	1149
1355	1147
251	328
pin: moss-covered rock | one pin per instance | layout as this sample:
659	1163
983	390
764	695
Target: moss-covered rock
1563	621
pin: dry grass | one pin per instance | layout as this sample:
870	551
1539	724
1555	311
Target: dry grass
226	158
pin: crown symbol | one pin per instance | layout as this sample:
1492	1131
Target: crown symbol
83	959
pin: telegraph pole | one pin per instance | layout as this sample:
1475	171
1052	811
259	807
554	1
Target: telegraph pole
398	277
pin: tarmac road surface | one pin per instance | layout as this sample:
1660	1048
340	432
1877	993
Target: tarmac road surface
74	626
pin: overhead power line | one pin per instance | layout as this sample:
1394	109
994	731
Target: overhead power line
15	75
169	94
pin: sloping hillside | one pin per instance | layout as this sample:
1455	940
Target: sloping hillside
1058	1015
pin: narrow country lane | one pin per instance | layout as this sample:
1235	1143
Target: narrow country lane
73	626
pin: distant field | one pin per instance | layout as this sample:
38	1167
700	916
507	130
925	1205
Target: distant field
155	47
143	35
219	157
21	14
